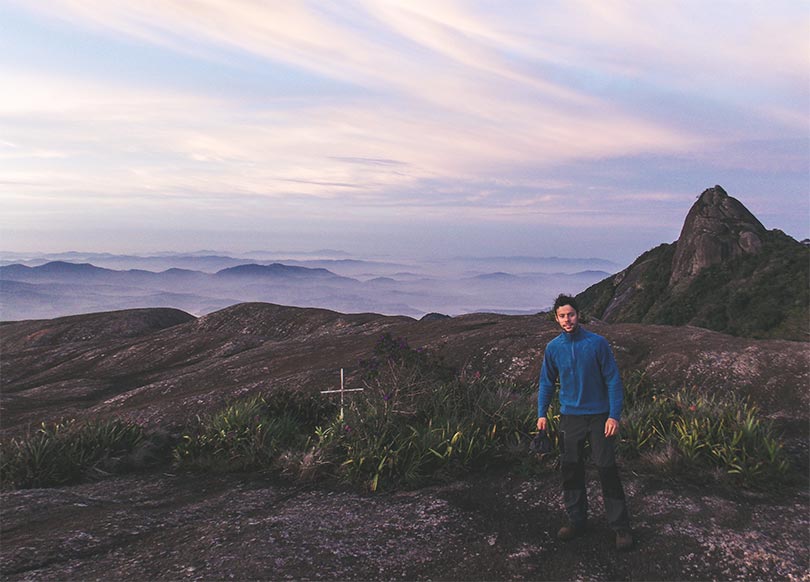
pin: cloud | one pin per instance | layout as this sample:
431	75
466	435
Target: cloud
435	69
465	109
168	142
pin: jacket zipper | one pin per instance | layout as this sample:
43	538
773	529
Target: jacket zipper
574	363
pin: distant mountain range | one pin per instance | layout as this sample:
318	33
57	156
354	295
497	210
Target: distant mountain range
725	272
546	264
208	263
58	288
336	261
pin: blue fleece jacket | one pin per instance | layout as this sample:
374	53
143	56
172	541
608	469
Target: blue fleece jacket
589	377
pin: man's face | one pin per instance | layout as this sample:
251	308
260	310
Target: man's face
567	317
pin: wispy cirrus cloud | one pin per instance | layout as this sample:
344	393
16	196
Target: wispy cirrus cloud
465	109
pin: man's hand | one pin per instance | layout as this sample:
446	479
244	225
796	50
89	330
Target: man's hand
611	427
541	423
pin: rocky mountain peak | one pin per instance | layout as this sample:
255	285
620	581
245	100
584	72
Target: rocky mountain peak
717	228
725	272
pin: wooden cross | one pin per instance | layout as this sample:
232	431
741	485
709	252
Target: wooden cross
342	391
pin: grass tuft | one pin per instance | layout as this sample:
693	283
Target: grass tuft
417	422
248	434
702	437
69	452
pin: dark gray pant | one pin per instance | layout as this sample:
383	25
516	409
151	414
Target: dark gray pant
574	430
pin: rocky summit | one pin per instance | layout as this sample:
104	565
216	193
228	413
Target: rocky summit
725	272
162	367
717	228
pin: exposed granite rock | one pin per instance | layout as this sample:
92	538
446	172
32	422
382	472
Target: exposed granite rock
93	327
725	272
189	526
717	228
489	527
164	377
434	317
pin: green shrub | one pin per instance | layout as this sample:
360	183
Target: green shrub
71	451
697	436
250	433
438	432
416	421
395	353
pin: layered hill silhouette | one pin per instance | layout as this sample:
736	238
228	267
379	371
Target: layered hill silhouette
725	272
59	288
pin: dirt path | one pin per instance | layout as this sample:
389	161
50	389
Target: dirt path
191	527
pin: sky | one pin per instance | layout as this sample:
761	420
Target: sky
397	128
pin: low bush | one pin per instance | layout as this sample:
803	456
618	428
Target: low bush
249	434
70	451
416	421
702	437
403	431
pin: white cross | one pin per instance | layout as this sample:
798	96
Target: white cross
342	391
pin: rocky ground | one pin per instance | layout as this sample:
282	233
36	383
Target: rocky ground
181	526
158	367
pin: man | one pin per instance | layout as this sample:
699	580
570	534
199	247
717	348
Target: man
591	396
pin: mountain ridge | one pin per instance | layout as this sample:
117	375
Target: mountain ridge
275	270
62	288
182	366
725	273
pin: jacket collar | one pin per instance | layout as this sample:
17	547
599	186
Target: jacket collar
577	335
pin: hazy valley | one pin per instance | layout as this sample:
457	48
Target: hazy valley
71	283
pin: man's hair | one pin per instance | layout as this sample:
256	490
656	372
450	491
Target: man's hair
565	300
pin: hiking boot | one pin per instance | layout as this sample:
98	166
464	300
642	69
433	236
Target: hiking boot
569	532
624	540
